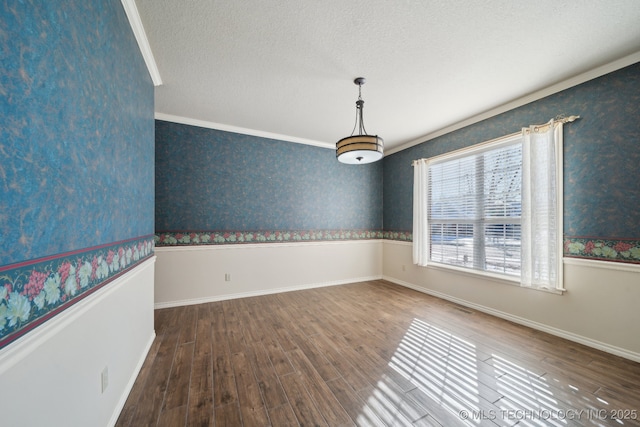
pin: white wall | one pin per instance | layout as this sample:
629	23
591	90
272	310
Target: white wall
195	274
52	375
599	309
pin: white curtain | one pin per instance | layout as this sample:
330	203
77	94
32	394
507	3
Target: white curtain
420	223
541	207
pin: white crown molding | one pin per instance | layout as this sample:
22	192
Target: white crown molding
240	130
131	10
558	87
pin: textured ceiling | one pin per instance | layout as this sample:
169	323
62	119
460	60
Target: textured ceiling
287	67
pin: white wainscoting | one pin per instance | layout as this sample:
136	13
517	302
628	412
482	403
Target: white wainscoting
599	308
196	274
52	375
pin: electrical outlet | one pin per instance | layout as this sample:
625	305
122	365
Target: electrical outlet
227	277
105	378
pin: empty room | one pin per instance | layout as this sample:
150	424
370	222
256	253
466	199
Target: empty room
198	229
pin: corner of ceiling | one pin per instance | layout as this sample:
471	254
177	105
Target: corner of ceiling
558	87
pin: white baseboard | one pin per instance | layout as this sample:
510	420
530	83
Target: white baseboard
193	301
522	321
134	375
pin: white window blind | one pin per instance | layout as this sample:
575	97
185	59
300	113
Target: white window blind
495	207
474	207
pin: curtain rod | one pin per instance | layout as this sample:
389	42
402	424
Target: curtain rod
558	119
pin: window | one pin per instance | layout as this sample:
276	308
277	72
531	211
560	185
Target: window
474	207
495	207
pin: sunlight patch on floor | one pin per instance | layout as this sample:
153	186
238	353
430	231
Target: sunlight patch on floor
441	365
439	370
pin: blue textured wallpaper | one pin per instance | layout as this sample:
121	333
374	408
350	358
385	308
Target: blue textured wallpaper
601	156
76	129
215	180
76	156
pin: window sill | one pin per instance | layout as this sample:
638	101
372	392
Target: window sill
498	278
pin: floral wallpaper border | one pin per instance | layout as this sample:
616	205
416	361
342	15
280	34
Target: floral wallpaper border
619	250
403	236
187	238
32	292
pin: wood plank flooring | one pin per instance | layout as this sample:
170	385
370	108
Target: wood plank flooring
370	354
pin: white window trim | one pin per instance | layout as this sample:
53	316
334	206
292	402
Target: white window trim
493	144
476	148
498	277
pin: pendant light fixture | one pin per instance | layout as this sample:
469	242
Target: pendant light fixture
360	148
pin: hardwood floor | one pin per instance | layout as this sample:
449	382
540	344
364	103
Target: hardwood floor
370	353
